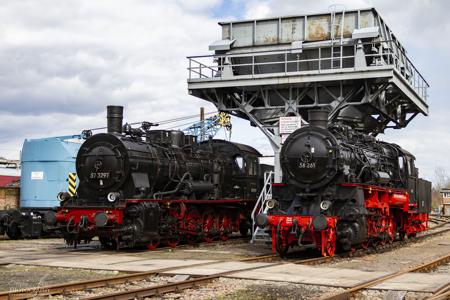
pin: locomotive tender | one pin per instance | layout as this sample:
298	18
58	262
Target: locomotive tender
142	187
343	188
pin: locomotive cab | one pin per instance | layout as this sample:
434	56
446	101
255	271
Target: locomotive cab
419	190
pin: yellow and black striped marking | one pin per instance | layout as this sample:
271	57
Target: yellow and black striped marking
72	184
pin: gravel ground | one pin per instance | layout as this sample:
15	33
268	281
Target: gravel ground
383	295
237	289
19	277
151	281
22	277
232	250
444	269
400	258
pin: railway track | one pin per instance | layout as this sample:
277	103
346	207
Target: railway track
384	248
139	293
441	294
109	281
423	267
232	240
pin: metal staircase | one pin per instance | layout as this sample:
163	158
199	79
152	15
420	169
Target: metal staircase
259	234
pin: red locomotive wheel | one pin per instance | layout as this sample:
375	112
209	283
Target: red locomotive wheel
153	244
391	231
193	222
281	244
330	246
209	226
173	242
224	227
365	245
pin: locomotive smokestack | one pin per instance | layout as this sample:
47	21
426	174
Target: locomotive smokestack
114	116
318	117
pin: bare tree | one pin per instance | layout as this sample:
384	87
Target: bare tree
441	180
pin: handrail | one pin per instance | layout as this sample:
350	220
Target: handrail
267	188
392	57
266	192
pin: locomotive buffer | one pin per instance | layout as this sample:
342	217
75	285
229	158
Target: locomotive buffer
347	62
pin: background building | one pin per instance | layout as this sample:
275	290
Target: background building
446	201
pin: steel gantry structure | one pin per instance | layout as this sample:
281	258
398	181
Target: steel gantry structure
348	62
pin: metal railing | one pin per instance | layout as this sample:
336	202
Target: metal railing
257	64
260	206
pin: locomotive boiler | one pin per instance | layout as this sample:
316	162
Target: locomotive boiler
139	186
342	188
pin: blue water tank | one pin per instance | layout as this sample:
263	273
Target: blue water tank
46	164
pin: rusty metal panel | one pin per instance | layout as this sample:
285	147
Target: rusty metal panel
319	28
226	32
243	33
266	32
367	19
292	29
350	24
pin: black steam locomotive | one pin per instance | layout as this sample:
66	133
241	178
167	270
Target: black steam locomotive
139	186
343	188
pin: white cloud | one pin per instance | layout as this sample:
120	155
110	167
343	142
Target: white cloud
257	9
198	5
62	62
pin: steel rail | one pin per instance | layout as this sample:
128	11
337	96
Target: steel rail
442	294
160	289
423	267
193	283
167	288
102	282
231	240
190	283
378	250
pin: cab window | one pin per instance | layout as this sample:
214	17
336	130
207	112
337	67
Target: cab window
240	162
401	164
253	167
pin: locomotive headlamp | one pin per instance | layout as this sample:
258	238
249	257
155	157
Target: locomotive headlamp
113	197
261	220
271	203
324	205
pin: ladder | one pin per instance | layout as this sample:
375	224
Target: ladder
336	51
259	234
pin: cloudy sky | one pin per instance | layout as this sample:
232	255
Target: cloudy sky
62	62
